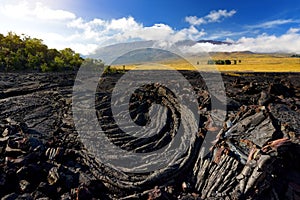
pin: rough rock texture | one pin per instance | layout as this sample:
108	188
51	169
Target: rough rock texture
255	155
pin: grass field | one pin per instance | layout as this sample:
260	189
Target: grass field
249	63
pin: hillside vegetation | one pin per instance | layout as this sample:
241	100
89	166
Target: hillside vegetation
23	53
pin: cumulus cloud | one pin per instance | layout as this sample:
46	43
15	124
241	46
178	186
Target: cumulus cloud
286	43
190	33
127	29
213	16
38	11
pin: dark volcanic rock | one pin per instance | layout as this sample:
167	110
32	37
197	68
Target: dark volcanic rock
255	155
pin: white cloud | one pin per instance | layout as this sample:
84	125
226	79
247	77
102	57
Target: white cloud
127	29
44	12
193	20
155	32
16	11
273	23
24	9
213	16
293	30
286	43
190	33
123	24
85	48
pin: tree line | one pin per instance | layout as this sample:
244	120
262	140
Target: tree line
222	62
23	53
295	56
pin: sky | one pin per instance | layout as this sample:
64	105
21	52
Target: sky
85	25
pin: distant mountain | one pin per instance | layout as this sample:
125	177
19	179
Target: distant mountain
185	43
191	42
214	42
145	55
144	51
243	52
109	54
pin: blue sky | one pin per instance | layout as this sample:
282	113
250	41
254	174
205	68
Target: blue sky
84	25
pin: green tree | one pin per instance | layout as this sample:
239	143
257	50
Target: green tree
45	67
71	59
227	62
26	53
59	63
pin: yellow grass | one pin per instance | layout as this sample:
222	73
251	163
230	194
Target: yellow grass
249	63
